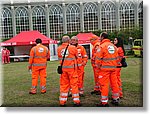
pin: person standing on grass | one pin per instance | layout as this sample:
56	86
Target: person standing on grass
107	62
81	62
69	76
118	42
37	64
95	42
7	55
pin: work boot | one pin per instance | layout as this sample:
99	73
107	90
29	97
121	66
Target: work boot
62	105
98	93
81	95
77	105
102	105
32	91
94	92
115	102
43	91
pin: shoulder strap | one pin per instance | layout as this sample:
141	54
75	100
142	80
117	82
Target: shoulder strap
64	55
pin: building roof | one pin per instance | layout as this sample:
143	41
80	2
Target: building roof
27	38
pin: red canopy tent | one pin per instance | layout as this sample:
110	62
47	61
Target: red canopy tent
84	37
27	38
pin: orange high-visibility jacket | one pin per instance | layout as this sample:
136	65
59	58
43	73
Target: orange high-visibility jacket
120	53
82	56
70	61
107	55
38	56
96	45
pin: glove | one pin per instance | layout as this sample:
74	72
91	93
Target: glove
29	67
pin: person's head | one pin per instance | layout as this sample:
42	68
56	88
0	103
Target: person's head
74	40
38	41
66	39
93	39
103	35
118	42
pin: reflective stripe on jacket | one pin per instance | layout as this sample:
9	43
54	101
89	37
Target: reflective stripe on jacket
82	56
70	61
107	56
39	55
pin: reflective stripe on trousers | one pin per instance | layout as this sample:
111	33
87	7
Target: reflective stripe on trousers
63	99
39	64
105	59
79	64
104	99
75	95
75	99
43	87
63	94
69	66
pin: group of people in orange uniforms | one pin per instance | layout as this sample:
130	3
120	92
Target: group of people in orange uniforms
106	63
5	56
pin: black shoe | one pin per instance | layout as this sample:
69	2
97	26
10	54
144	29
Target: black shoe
62	105
94	92
115	102
77	105
102	105
81	95
70	95
98	93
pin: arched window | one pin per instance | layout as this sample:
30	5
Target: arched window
39	19
22	20
108	16
127	16
73	18
90	17
140	14
56	22
6	24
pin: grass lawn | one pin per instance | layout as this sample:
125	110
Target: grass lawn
17	82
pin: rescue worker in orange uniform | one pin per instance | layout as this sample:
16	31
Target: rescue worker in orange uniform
81	62
118	42
7	55
37	64
69	77
4	56
107	62
95	42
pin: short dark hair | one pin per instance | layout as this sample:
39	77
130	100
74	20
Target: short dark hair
105	35
38	40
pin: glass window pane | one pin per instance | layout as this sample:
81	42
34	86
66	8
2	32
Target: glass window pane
56	22
6	24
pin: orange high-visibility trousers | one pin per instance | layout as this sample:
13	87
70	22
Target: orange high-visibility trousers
119	82
35	74
81	79
96	80
69	79
106	77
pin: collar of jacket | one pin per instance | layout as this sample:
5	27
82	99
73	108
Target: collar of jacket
105	40
94	42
